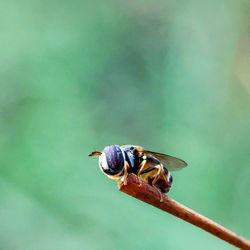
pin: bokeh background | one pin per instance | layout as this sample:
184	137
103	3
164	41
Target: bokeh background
75	76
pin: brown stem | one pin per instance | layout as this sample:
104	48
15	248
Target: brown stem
150	195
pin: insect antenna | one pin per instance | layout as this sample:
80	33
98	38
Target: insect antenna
95	153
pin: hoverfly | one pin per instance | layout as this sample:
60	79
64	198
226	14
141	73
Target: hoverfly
151	167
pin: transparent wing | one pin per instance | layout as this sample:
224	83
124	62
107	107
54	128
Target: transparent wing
170	162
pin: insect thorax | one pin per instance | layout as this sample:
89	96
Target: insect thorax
133	158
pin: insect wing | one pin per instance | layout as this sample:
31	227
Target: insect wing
170	162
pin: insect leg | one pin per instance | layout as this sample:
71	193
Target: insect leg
125	174
119	183
157	175
141	167
160	193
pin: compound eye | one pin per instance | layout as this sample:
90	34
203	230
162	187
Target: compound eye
112	160
103	162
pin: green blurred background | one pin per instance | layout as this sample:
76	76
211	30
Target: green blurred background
171	76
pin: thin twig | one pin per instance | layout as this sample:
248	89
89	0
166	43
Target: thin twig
150	195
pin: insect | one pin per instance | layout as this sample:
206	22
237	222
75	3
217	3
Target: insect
151	167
